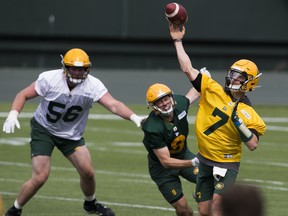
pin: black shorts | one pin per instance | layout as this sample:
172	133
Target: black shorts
207	185
168	180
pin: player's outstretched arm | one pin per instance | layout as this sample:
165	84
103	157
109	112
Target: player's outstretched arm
17	105
177	33
119	108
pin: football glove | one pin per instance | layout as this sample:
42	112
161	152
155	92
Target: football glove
138	120
11	121
205	71
245	133
195	162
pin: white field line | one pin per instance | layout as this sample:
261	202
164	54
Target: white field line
146	176
191	119
81	200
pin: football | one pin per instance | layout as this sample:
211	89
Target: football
176	14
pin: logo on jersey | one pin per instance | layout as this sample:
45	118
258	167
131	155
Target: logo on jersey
175	130
228	156
182	115
245	114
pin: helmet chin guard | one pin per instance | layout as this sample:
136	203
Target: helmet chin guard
165	112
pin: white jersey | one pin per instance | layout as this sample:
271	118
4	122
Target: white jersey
62	112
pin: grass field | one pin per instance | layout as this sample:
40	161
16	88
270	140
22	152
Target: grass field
120	162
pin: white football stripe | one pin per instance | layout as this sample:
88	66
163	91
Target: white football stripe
175	12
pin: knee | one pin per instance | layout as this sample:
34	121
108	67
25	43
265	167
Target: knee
202	211
184	211
87	173
182	208
216	205
40	179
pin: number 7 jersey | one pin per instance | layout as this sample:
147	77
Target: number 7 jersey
62	112
217	137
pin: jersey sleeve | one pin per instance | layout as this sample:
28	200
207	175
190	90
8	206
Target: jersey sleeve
99	88
42	84
252	120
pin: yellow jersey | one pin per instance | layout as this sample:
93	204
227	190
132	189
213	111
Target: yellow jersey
217	137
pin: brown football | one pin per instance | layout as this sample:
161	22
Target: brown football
176	13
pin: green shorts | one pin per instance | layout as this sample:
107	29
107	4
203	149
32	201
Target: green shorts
207	185
42	142
168	180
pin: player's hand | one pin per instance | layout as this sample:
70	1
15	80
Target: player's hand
11	121
234	115
138	120
176	32
195	162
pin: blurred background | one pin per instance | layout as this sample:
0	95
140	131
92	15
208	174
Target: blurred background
130	47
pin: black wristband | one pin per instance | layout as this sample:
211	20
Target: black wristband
177	40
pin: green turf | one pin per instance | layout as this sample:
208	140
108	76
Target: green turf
120	163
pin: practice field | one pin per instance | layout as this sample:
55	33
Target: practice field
120	164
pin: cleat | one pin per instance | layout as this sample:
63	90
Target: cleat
13	212
94	207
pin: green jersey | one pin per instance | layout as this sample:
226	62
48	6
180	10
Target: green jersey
159	134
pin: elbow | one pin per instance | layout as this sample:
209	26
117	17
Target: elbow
165	163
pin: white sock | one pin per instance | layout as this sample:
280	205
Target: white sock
16	205
90	198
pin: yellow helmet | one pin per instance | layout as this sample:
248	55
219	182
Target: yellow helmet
156	92
249	71
76	58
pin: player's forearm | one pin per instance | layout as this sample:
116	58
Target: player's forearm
19	102
173	163
185	62
122	110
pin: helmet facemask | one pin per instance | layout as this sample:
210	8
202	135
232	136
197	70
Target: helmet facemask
236	76
75	79
158	110
159	95
243	76
76	66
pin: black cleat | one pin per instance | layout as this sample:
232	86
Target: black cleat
94	207
13	212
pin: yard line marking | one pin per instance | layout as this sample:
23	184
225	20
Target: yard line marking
137	181
276	128
115	117
266	181
72	169
81	200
